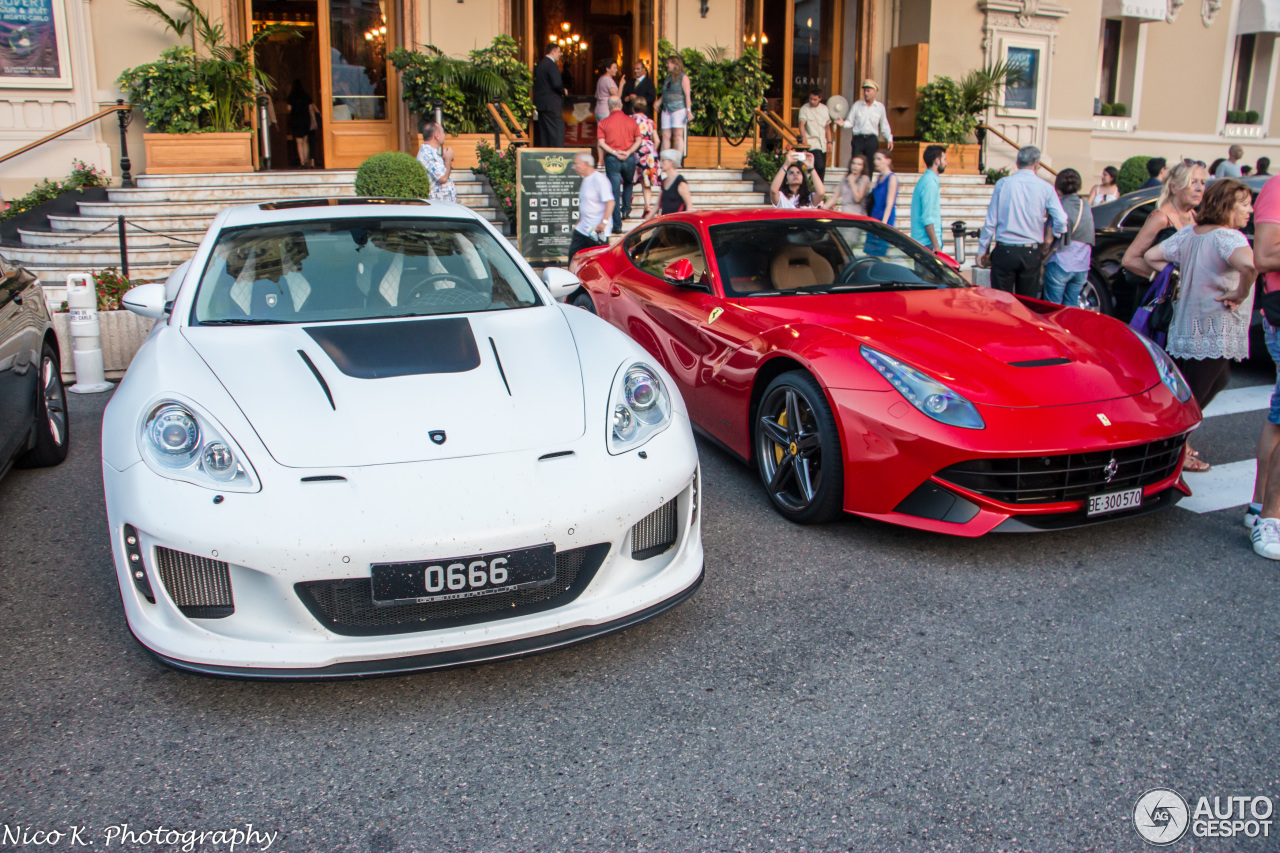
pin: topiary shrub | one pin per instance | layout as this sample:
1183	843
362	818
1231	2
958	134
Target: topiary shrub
1107	110
1133	174
1251	117
1119	110
392	174
1235	116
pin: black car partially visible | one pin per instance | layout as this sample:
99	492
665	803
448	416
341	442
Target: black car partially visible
1116	224
33	404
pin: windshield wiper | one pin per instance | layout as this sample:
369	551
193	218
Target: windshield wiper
243	321
886	285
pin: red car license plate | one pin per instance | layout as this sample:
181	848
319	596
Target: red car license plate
1115	501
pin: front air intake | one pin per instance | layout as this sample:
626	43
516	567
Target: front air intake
199	586
655	533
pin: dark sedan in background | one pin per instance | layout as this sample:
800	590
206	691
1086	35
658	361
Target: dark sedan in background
33	404
1117	223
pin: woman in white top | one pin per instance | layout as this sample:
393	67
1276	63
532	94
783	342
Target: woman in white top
796	185
606	88
854	190
1107	190
1214	300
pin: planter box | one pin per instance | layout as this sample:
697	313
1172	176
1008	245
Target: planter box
204	153
908	157
463	145
122	333
702	154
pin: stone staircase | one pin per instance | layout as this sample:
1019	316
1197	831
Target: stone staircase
166	215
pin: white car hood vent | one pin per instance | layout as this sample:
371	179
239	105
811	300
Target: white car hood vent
401	348
530	399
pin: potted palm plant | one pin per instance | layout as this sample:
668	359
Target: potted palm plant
196	99
947	113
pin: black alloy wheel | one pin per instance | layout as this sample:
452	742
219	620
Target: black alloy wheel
583	300
797	450
52	426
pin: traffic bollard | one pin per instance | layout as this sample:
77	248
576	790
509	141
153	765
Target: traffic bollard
86	336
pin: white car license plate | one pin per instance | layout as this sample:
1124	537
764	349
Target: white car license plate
1115	501
462	577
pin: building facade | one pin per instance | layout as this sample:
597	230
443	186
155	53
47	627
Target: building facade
1105	79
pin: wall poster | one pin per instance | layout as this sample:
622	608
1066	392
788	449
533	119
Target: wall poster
1023	95
33	45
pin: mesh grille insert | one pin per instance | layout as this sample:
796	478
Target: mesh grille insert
346	606
199	586
655	533
1069	477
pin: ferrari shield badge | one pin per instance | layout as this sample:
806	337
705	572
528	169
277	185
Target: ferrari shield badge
715	315
1104	419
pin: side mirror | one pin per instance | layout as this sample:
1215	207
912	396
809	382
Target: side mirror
174	282
679	273
560	282
147	300
948	260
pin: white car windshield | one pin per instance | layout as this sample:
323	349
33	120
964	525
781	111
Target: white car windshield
357	269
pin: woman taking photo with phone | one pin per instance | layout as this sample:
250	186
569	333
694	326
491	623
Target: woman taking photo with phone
796	185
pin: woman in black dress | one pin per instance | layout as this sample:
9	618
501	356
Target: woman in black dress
302	121
675	197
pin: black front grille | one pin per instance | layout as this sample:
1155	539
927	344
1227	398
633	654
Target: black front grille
199	586
655	533
346	606
1070	477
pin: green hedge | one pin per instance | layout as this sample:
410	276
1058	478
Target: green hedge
392	174
1133	174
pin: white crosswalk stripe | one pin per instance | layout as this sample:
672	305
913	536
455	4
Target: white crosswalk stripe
1227	484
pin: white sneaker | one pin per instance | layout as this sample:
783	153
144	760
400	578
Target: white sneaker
1250	518
1266	538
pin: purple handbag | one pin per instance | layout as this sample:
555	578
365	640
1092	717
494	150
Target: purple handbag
1155	312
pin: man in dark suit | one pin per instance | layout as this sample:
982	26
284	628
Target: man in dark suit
639	86
548	99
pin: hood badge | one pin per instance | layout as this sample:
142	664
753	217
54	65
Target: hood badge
1113	468
437	436
1105	420
271	300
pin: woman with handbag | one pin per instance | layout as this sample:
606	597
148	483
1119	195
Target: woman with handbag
1213	302
1067	268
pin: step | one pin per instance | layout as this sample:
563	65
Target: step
108	239
96	258
305	176
187	209
163	224
249	192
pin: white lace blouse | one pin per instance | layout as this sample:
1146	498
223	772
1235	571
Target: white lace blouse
1203	327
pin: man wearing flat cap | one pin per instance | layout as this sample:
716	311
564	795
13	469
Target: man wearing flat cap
868	121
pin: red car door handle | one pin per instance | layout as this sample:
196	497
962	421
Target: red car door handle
614	290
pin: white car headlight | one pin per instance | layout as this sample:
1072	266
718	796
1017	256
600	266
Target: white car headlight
1170	375
925	393
639	407
180	443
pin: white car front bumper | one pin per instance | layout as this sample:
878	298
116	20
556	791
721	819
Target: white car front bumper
294	532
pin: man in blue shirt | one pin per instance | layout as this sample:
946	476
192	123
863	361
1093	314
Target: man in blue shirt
1158	169
1015	227
926	200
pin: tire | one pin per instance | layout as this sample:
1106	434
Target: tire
583	300
52	426
804	477
1096	295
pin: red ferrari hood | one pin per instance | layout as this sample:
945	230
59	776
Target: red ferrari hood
986	344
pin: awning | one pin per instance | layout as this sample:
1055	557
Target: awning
1142	10
1259	16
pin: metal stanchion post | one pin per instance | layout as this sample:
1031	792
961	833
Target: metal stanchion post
124	115
958	237
124	247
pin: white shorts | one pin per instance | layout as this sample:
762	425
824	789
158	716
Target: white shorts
677	119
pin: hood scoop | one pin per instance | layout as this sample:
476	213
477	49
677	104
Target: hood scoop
1040	362
408	348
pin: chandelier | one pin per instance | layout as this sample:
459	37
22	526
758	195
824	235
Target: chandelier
570	42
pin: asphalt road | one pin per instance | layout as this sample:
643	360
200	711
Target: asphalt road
849	687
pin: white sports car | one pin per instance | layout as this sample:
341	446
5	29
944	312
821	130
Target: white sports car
365	438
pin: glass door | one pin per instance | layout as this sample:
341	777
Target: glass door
358	84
